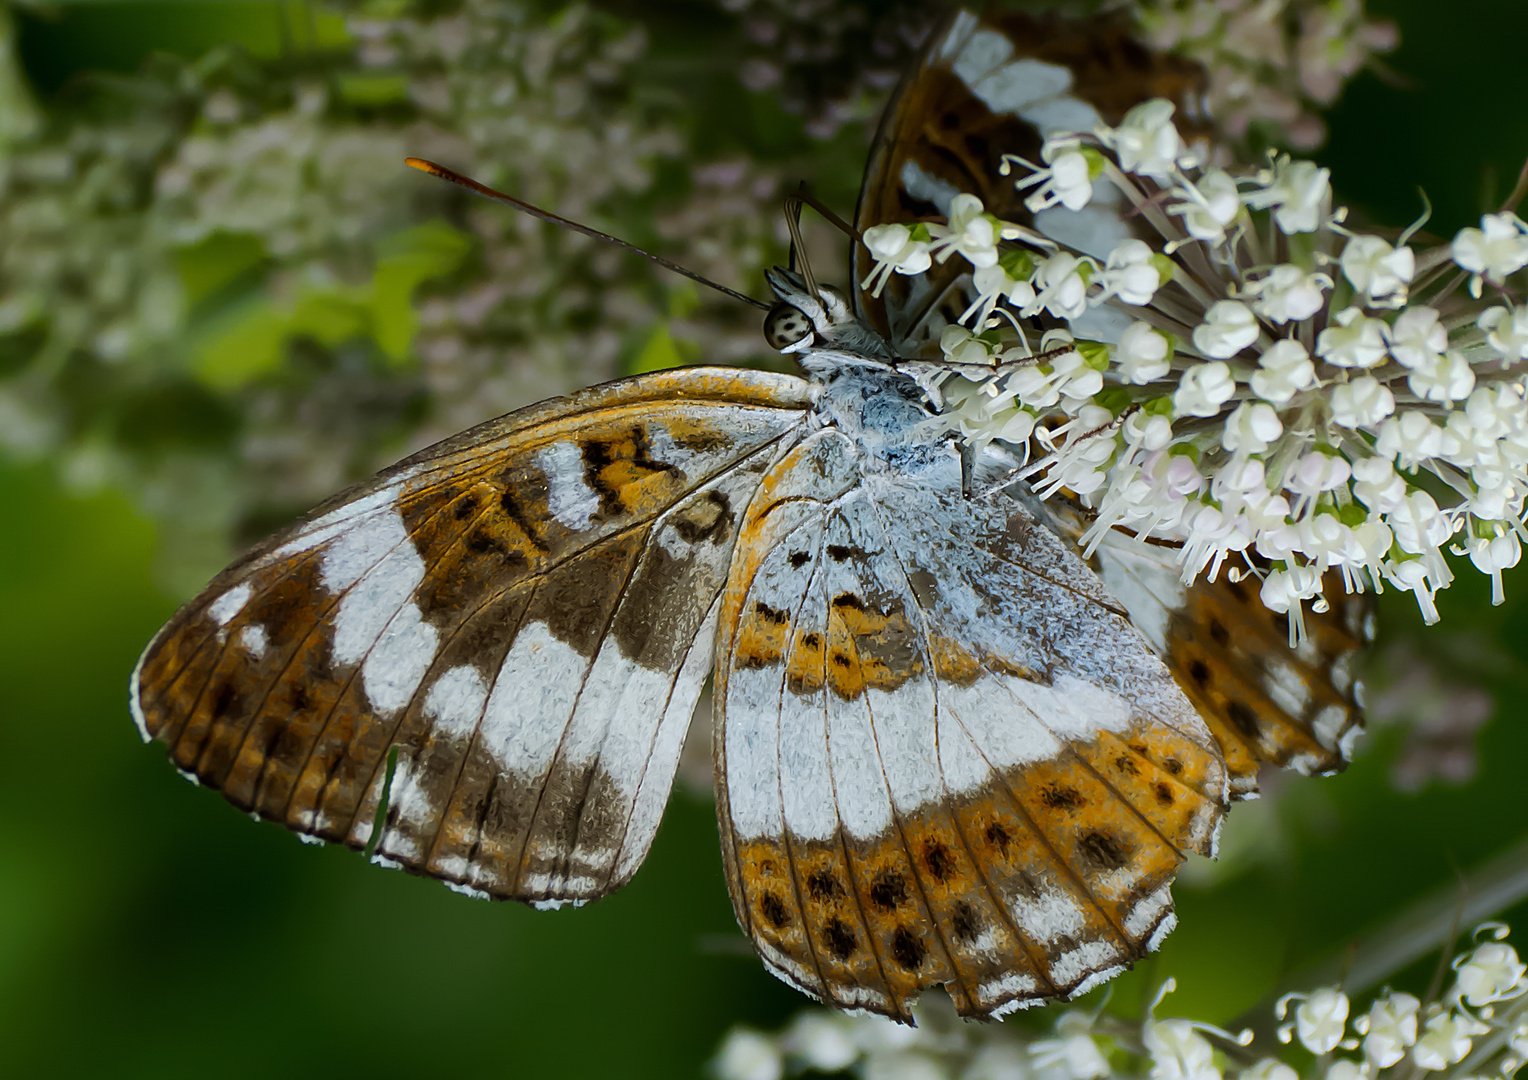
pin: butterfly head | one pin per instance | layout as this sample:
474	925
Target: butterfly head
806	322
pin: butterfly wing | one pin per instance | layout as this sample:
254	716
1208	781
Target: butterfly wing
944	755
500	639
1294	706
993	85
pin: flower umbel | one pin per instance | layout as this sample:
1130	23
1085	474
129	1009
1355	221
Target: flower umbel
1383	404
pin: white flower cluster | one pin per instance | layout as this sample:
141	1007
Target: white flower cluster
1227	365
1478	1030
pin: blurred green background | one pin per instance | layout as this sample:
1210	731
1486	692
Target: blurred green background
145	928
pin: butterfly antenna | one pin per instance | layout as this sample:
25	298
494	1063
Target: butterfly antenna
798	248
545	215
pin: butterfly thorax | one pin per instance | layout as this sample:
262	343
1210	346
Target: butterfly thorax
860	391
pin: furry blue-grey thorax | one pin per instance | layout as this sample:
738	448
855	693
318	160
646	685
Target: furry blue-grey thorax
860	390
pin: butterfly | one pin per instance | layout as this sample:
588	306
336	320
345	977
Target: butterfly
948	749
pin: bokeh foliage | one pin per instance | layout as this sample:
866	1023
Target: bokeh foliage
144	928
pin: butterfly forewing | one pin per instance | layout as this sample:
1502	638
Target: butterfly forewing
944	754
500	640
994	85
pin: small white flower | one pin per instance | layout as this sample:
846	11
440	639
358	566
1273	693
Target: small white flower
1130	273
961	346
894	249
1409	438
1288	293
1343	1069
1178	1052
1506	330
1149	431
1418	524
1283	370
1363	402
1282	590
1314	473
1298	189
1251	428
1376	485
1377	270
970	231
747	1055
1493	972
1072	1054
1491	555
1498	248
1146	142
1446	1040
1203	389
1208	206
1321	1018
1068	181
1417	337
1142	354
821	1041
1356	340
1063	291
1389	1028
1496	411
1228	328
1447	378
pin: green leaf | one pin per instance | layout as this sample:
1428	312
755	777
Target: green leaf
250	340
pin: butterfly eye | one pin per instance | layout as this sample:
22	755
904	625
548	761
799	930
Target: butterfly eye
785	325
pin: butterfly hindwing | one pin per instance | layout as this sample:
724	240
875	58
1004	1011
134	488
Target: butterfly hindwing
502	637
1293	706
944	755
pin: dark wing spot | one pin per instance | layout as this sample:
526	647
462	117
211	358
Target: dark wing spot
1221	635
939	859
841	660
966	924
1101	852
1172	765
840	939
1126	764
1199	672
799	559
823	885
999	837
848	600
769	614
464	507
774	910
1165	793
516	513
1243	719
906	949
1061	798
838	552
223	701
889	890
811	641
